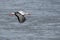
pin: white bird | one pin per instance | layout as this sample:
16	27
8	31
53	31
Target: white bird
20	15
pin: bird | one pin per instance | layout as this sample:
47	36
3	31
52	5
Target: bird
20	15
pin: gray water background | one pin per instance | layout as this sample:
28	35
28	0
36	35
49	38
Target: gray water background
43	24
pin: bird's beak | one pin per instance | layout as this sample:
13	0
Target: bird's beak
11	14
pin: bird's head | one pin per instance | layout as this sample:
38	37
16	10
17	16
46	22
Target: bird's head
11	14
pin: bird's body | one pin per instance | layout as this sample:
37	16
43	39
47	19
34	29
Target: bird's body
20	17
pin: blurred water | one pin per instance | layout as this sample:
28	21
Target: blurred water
43	24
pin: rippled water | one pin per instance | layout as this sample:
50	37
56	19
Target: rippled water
43	24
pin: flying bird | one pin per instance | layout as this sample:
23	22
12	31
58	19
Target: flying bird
20	16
